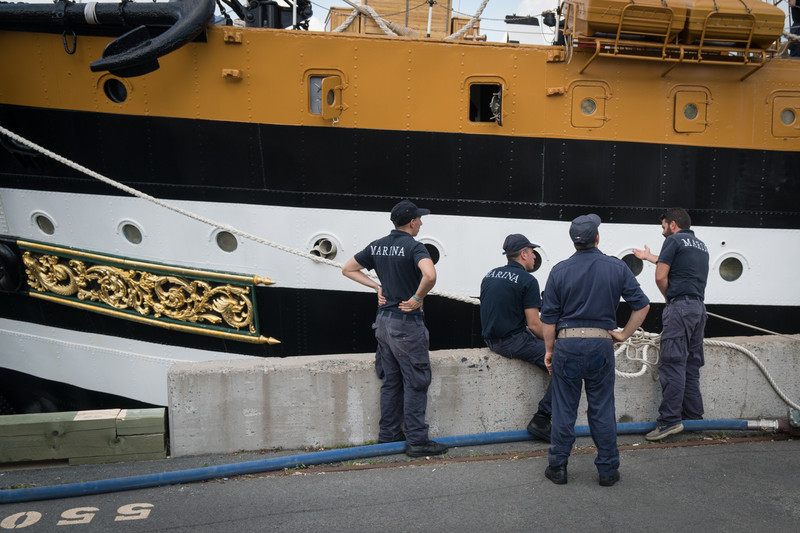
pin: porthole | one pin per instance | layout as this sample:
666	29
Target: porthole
690	111
538	261
434	251
227	241
731	269
588	106
634	264
45	224
787	117
325	248
115	90
131	233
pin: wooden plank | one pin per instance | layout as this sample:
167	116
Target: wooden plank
57	423
141	421
118	458
69	443
111	433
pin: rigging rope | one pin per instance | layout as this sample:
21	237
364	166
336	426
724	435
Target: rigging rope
199	218
468	26
639	340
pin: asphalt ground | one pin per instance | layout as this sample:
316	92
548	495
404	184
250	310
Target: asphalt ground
715	481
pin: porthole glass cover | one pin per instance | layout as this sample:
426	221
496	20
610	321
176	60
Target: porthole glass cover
731	269
45	224
690	111
588	106
132	233
787	116
226	241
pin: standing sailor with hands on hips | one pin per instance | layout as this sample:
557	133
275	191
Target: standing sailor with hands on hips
406	273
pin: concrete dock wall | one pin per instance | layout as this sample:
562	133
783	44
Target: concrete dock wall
228	406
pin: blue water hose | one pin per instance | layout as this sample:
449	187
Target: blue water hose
314	458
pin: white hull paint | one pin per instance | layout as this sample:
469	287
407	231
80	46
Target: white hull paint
124	367
469	246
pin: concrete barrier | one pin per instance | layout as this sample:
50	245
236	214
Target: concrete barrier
294	403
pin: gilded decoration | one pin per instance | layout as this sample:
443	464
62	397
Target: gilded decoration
154	296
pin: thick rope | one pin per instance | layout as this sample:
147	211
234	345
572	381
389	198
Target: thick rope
644	342
366	10
344	25
200	218
639	341
468	26
760	366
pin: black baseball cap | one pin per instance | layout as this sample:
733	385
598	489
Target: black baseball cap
516	242
405	211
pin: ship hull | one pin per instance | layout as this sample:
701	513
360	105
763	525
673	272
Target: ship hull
225	130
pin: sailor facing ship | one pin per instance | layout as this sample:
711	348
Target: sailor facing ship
406	272
681	276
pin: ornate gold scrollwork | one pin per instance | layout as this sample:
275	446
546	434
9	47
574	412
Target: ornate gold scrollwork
226	302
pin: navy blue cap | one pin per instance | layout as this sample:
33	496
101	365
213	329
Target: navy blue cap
516	242
584	229
405	211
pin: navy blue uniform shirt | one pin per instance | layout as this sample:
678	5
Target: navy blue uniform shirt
394	258
687	257
506	292
584	291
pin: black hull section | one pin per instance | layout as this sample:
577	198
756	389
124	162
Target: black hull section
453	174
311	322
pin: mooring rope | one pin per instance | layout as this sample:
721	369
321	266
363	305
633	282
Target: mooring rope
644	342
200	218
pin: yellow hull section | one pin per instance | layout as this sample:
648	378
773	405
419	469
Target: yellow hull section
389	83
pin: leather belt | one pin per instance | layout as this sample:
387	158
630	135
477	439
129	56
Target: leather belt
583	333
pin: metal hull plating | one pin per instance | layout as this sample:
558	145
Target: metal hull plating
226	129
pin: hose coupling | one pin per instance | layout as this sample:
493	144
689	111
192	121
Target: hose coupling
763	424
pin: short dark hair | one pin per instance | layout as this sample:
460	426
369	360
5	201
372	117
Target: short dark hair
514	256
584	245
677	215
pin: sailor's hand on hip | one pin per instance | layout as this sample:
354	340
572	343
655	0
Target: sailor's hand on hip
411	304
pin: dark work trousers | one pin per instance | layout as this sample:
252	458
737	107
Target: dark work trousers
529	348
403	363
680	361
587	362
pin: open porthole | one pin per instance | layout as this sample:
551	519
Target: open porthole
635	264
325	247
434	247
